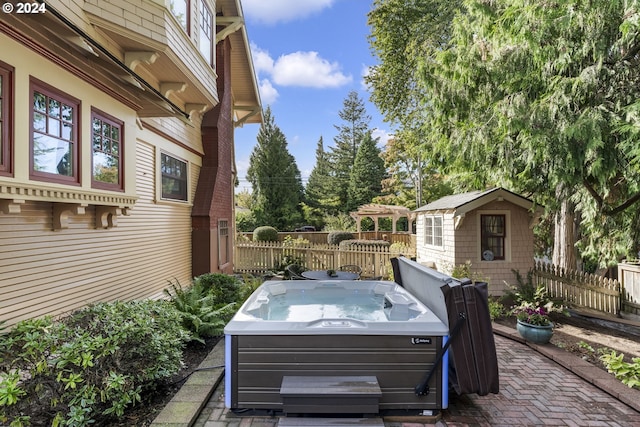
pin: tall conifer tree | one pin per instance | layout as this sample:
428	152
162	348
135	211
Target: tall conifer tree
275	178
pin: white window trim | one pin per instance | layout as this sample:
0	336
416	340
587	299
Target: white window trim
507	239
424	228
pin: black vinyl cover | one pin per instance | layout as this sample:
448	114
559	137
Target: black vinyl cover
473	363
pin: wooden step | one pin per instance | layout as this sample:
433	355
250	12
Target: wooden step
330	422
338	394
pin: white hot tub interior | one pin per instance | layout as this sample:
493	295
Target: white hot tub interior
305	301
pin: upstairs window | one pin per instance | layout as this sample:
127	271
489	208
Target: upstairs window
433	231
6	122
180	10
54	144
206	32
106	139
492	237
174	178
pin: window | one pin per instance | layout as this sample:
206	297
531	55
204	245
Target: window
6	122
433	230
224	243
206	32
492	237
174	178
180	10
106	139
54	144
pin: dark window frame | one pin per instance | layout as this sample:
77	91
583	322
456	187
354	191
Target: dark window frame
492	239
224	236
51	92
6	119
183	195
118	124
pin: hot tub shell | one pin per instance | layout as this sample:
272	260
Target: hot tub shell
398	350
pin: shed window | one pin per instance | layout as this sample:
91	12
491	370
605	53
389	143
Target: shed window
55	135
174	177
433	231
493	232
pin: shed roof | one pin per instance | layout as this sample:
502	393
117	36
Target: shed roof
465	202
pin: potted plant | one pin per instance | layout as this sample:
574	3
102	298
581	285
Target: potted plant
532	317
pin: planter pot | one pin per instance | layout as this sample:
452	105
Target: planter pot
534	333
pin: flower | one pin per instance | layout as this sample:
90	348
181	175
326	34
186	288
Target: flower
536	310
528	313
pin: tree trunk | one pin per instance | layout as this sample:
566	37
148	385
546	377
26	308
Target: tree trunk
564	242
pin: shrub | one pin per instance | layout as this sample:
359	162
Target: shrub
335	237
223	287
628	373
94	363
348	244
265	234
200	315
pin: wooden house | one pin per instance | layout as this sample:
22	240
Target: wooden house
492	230
116	150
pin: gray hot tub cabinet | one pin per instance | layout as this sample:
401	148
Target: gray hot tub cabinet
264	358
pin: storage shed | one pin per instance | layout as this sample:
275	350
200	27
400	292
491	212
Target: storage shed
492	229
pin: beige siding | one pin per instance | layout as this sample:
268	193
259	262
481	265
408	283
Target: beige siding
443	257
54	272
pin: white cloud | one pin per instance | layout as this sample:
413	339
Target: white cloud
302	69
308	69
273	11
262	61
364	73
383	135
268	94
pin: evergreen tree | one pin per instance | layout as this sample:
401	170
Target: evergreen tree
318	191
343	154
275	178
367	174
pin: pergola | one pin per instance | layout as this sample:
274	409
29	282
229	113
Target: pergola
375	211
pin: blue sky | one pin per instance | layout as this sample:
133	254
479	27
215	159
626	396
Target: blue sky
308	55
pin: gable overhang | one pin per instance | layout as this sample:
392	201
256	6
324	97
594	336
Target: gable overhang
230	23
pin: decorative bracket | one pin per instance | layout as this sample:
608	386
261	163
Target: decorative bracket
233	24
195	109
457	221
167	88
135	58
61	212
107	216
10	206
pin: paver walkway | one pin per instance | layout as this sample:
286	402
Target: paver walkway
534	391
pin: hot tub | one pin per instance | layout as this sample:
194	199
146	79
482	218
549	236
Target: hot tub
298	329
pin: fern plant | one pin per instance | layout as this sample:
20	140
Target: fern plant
201	315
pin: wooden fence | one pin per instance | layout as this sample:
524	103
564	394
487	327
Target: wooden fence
582	289
261	257
320	237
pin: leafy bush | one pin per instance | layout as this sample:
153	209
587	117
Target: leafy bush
94	363
200	314
348	244
210	302
496	309
265	234
628	373
224	288
335	237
